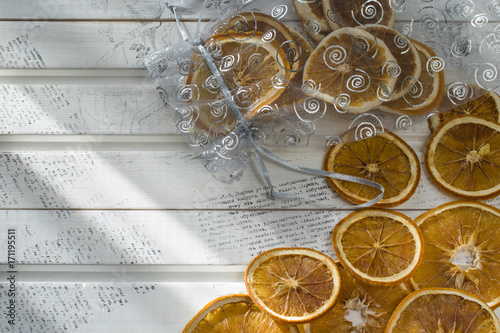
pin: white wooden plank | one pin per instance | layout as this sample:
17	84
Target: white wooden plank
81	175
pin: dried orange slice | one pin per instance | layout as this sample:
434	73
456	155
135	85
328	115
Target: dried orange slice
443	310
254	72
461	249
463	99
385	159
426	91
235	314
350	69
462	157
352	13
378	246
361	307
293	284
310	13
408	61
273	30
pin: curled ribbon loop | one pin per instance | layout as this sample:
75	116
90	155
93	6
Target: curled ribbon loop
246	132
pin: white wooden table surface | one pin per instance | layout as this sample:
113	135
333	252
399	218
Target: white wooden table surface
117	227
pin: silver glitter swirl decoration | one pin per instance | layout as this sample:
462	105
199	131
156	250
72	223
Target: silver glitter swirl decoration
485	74
188	66
279	82
333	56
365	130
214	47
255	61
461	48
494	7
333	140
246	96
358	82
479	20
403	122
461	9
239	24
362	45
211	84
184	126
392	68
312	26
369	11
397	5
384	93
490	45
202	138
269	36
278	12
188	93
342	102
266	109
435	65
403	43
431	23
310	109
415	90
310	87
334	17
458	92
229	62
292	52
288	138
218	110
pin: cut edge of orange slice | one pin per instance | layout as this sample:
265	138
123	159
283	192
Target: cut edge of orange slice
404	195
397	278
407	301
429	158
298	251
495	303
224	300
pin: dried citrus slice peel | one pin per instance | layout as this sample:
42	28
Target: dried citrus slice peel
361	307
352	13
425	92
471	100
461	242
385	159
462	157
378	246
406	55
293	284
310	13
350	70
235	314
252	70
443	310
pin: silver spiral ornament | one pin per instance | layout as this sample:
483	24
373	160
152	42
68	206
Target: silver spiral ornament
218	110
334	56
342	102
202	138
392	68
397	5
229	62
184	126
479	20
214	47
370	9
265	110
333	140
269	36
435	65
246	96
312	26
310	87
494	8
255	61
461	48
403	43
278	12
359	82
279	81
384	93
188	66
365	130
458	92
211	84
403	122
188	93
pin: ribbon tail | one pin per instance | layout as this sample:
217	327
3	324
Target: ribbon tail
316	172
182	29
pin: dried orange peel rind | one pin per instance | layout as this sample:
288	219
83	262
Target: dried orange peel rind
293	284
379	246
384	158
460	251
235	314
462	157
443	310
